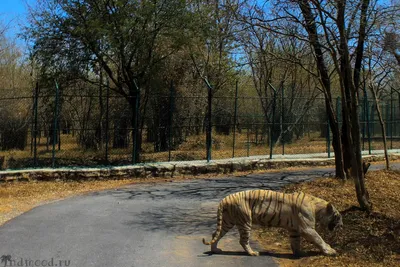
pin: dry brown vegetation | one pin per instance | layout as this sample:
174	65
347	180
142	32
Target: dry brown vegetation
192	149
366	239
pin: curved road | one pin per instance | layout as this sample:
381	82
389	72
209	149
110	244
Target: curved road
139	225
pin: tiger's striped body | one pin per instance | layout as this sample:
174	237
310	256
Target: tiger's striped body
297	212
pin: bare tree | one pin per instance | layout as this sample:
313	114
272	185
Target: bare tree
336	31
279	63
378	74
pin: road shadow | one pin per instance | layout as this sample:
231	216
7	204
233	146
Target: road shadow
189	207
179	220
210	189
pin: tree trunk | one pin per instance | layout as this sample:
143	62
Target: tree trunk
382	123
336	141
349	88
326	83
357	170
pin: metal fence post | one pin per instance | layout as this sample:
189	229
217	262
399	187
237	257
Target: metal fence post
328	137
171	112
364	118
248	141
338	115
55	127
283	119
32	121
136	124
209	122
398	109
384	115
367	118
391	118
369	127
394	120
387	122
372	118
338	108
107	118
35	125
273	122
235	120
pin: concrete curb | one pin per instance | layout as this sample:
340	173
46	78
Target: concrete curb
172	169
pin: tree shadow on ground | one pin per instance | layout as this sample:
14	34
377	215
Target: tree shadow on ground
177	220
209	189
190	207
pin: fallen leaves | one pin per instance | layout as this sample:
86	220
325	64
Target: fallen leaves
366	239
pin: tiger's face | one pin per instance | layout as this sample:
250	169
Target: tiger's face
334	218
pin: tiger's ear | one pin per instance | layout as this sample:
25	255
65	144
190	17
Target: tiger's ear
329	208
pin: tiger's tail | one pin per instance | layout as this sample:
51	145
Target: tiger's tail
219	225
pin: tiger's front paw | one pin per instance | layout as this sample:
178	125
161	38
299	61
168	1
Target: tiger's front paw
254	253
216	250
330	252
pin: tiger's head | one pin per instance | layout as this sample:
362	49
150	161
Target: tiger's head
333	218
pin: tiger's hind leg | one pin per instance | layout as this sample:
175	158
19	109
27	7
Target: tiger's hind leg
225	228
295	243
244	231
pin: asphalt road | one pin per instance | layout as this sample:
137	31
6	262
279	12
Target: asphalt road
139	225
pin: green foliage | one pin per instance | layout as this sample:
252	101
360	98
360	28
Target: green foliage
14	79
125	38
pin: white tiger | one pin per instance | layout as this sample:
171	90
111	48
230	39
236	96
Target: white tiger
297	212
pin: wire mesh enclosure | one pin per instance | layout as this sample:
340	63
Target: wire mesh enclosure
92	127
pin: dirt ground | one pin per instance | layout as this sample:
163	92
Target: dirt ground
365	240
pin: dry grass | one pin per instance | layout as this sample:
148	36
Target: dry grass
194	148
366	240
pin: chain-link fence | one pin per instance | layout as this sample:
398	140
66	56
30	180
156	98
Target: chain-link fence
91	127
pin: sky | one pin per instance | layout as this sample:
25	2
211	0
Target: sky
13	15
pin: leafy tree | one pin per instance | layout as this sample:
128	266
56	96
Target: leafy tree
211	53
127	39
14	79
